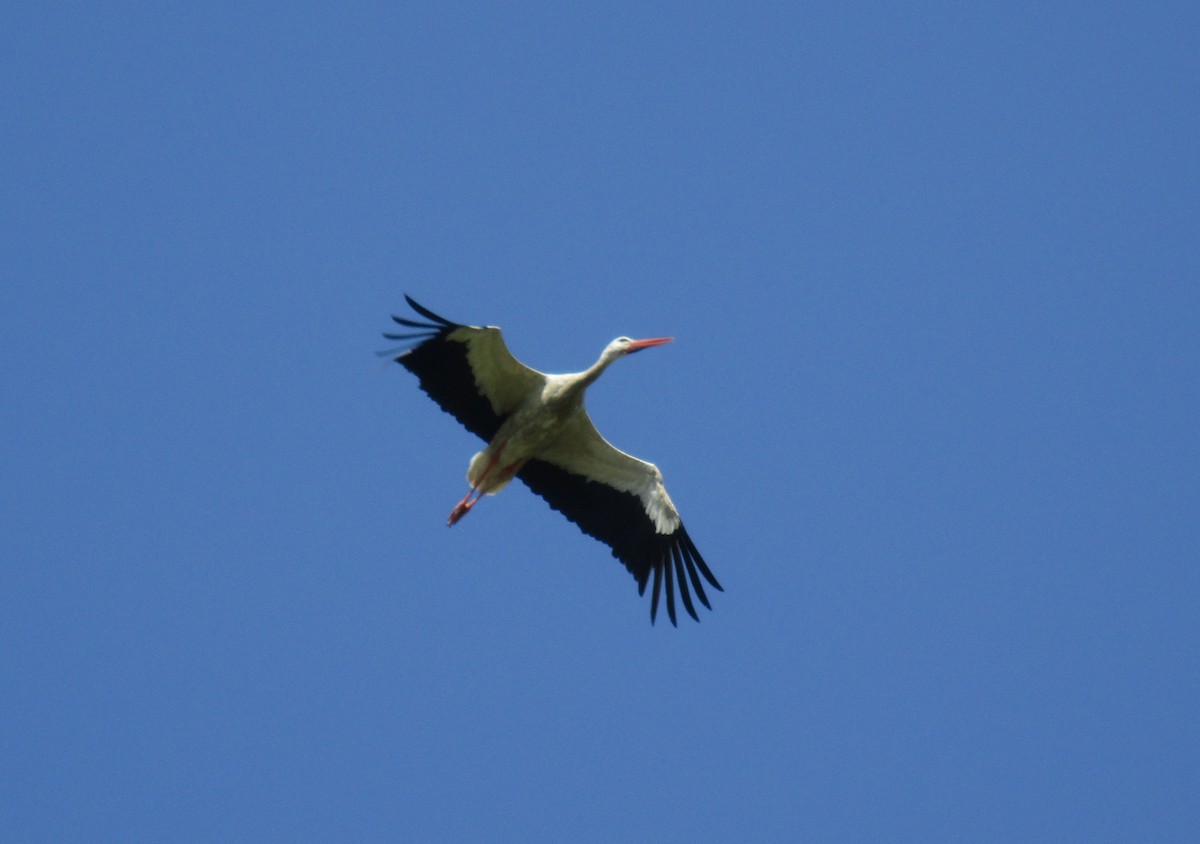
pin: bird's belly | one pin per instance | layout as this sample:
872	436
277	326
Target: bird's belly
492	469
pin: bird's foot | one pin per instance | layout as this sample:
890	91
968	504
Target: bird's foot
461	509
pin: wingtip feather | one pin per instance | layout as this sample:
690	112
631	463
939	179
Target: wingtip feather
665	564
654	594
704	569
677	557
425	312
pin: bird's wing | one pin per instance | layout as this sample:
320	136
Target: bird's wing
466	369
621	501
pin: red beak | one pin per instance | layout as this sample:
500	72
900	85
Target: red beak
638	345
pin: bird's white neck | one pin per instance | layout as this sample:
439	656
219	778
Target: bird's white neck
589	375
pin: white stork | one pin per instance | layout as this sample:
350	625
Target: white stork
537	430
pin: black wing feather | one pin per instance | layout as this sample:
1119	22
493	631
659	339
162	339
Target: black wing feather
619	520
695	578
443	371
428	314
670	587
654	592
682	581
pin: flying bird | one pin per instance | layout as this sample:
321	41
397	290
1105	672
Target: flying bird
537	429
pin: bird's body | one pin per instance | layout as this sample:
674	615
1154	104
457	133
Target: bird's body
538	430
532	426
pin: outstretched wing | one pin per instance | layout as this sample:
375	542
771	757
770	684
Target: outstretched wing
621	501
466	369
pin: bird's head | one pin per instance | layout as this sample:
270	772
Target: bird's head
626	346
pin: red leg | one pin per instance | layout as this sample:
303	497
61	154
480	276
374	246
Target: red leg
463	507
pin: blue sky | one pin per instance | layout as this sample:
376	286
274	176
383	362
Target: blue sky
931	416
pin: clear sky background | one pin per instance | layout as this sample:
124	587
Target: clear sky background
932	417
